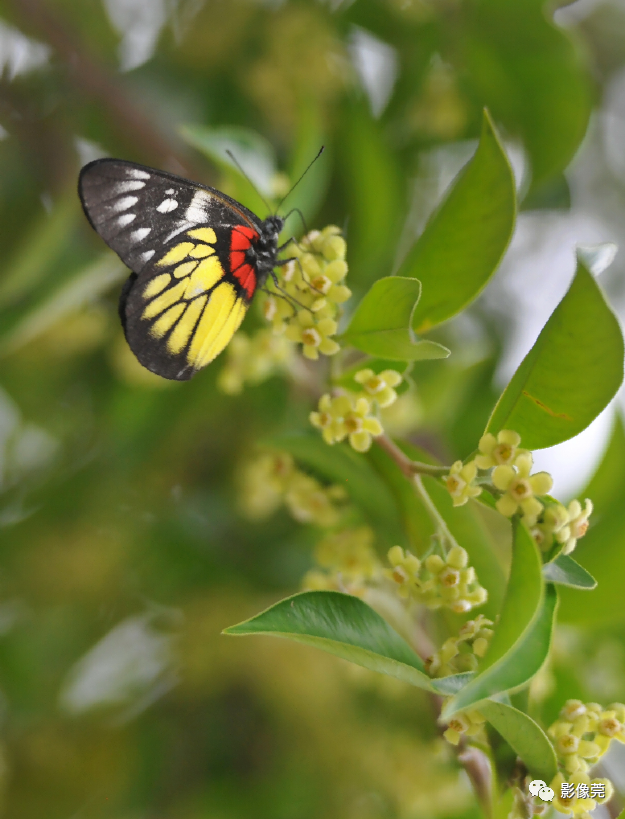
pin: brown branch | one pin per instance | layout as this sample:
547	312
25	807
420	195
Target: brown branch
478	769
409	467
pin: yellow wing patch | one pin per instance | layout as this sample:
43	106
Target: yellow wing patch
220	320
199	251
184	269
205	234
206	275
181	334
166	321
156	285
176	254
164	301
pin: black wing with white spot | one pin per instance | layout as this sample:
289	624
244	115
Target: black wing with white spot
140	212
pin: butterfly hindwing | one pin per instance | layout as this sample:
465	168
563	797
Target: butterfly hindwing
185	306
188	247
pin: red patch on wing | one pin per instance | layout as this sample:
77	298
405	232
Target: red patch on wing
241	238
246	275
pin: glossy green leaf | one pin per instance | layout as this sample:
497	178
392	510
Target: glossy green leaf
374	180
465	239
517	667
523	632
533	78
602	549
565	571
383	321
344	626
581	344
524	736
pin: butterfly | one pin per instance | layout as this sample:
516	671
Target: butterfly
197	258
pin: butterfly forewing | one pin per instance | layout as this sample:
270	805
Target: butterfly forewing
187	246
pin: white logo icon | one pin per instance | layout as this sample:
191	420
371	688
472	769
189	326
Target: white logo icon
536	785
539	788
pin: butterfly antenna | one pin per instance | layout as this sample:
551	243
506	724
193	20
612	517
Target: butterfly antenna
239	166
310	164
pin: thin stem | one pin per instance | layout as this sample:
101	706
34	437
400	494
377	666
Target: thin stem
478	769
406	464
432	510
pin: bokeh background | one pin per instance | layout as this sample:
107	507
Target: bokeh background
124	549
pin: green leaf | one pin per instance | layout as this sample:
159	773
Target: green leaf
447	686
341	625
342	465
532	77
567	572
523	633
602	549
383	321
373	180
524	736
581	344
464	241
519	665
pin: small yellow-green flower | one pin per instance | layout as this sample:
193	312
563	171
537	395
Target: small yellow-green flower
313	335
520	488
459	482
498	451
379	386
576	527
329	417
360	426
343	417
405	571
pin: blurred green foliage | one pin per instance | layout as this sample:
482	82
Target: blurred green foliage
123	548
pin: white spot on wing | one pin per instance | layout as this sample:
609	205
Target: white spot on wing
126	219
124	203
139	235
130	185
147	255
181	226
137	174
169	191
196	212
167	205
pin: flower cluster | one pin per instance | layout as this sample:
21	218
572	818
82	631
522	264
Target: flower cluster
272	480
581	735
343	417
306	306
348	560
519	491
462	653
468	723
562	525
252	360
350	414
436	581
